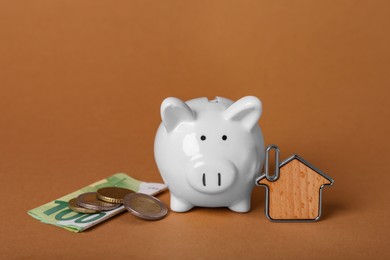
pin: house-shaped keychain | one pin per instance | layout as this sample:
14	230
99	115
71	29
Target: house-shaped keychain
293	193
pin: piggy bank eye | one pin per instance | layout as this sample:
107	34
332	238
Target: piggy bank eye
224	137
203	138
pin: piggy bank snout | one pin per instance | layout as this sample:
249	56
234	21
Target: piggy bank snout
212	176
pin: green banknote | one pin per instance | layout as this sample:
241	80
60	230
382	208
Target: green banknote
59	214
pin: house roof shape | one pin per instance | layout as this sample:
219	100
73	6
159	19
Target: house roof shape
297	157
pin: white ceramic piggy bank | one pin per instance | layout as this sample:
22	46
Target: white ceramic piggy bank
209	152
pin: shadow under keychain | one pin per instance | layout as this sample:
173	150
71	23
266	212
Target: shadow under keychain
294	191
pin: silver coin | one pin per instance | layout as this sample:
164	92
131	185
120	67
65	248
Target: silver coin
89	200
145	206
72	204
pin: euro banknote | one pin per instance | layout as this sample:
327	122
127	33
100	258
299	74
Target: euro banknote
59	214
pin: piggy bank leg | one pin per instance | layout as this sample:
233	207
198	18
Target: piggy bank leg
180	205
241	205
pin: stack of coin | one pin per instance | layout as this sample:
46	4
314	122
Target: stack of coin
108	198
73	206
90	200
113	194
141	205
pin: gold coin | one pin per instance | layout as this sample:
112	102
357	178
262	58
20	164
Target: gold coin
145	206
89	200
72	204
113	194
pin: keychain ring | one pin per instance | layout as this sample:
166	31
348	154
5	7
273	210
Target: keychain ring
275	176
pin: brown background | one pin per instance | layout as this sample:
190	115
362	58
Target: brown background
81	84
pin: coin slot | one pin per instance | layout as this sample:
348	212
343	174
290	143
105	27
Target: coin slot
204	179
219	179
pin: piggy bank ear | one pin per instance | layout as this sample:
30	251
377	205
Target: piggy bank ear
174	111
246	110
